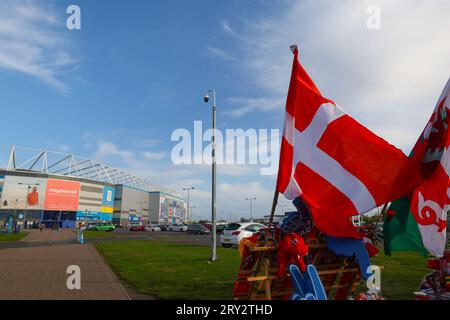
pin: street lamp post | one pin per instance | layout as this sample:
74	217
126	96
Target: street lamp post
251	207
188	208
191	210
213	178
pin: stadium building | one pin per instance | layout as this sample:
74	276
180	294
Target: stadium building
54	188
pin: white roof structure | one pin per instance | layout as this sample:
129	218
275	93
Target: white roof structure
22	159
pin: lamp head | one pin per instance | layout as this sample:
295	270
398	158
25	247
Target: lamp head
206	98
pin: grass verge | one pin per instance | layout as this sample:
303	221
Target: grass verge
173	271
12	237
402	274
177	271
101	234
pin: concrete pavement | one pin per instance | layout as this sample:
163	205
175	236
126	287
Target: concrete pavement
39	271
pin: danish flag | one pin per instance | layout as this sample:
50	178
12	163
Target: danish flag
335	164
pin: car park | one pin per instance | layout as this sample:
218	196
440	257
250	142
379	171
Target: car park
153	228
137	228
235	232
198	229
101	227
163	227
178	227
219	227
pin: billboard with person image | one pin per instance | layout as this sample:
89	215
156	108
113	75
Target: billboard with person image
23	192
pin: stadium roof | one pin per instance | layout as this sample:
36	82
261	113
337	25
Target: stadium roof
22	159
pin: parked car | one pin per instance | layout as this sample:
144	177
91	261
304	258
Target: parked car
235	232
137	228
197	229
178	228
101	227
163	227
152	227
219	227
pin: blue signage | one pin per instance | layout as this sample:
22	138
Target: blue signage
108	196
134	219
94	216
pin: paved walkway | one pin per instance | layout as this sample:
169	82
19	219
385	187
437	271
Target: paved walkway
49	235
39	272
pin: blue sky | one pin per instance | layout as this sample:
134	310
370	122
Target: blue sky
137	70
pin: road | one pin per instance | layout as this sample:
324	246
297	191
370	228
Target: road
166	236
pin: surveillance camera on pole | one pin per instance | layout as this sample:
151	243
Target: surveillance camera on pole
213	178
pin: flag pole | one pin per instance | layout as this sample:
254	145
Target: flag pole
294	49
274	205
382	213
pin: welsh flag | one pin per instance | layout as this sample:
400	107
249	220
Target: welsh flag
335	164
419	222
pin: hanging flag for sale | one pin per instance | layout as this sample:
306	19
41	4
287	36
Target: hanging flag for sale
419	222
335	164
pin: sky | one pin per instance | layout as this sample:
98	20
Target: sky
136	71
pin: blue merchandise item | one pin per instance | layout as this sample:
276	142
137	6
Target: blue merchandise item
307	286
299	221
350	247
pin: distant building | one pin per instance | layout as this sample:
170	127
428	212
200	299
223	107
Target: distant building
63	189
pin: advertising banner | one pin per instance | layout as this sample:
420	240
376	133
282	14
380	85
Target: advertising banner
20	192
94	216
108	199
62	195
134	218
162	209
171	210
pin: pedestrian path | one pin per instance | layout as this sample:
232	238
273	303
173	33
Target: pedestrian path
40	272
49	235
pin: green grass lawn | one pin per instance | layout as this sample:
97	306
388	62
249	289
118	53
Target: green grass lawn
402	274
100	234
173	271
177	271
12	237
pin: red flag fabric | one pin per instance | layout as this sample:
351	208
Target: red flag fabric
335	164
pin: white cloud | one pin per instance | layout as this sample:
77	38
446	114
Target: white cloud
245	105
154	155
220	53
227	27
157	167
388	79
32	43
106	150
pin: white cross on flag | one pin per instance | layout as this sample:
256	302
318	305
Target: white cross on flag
335	164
